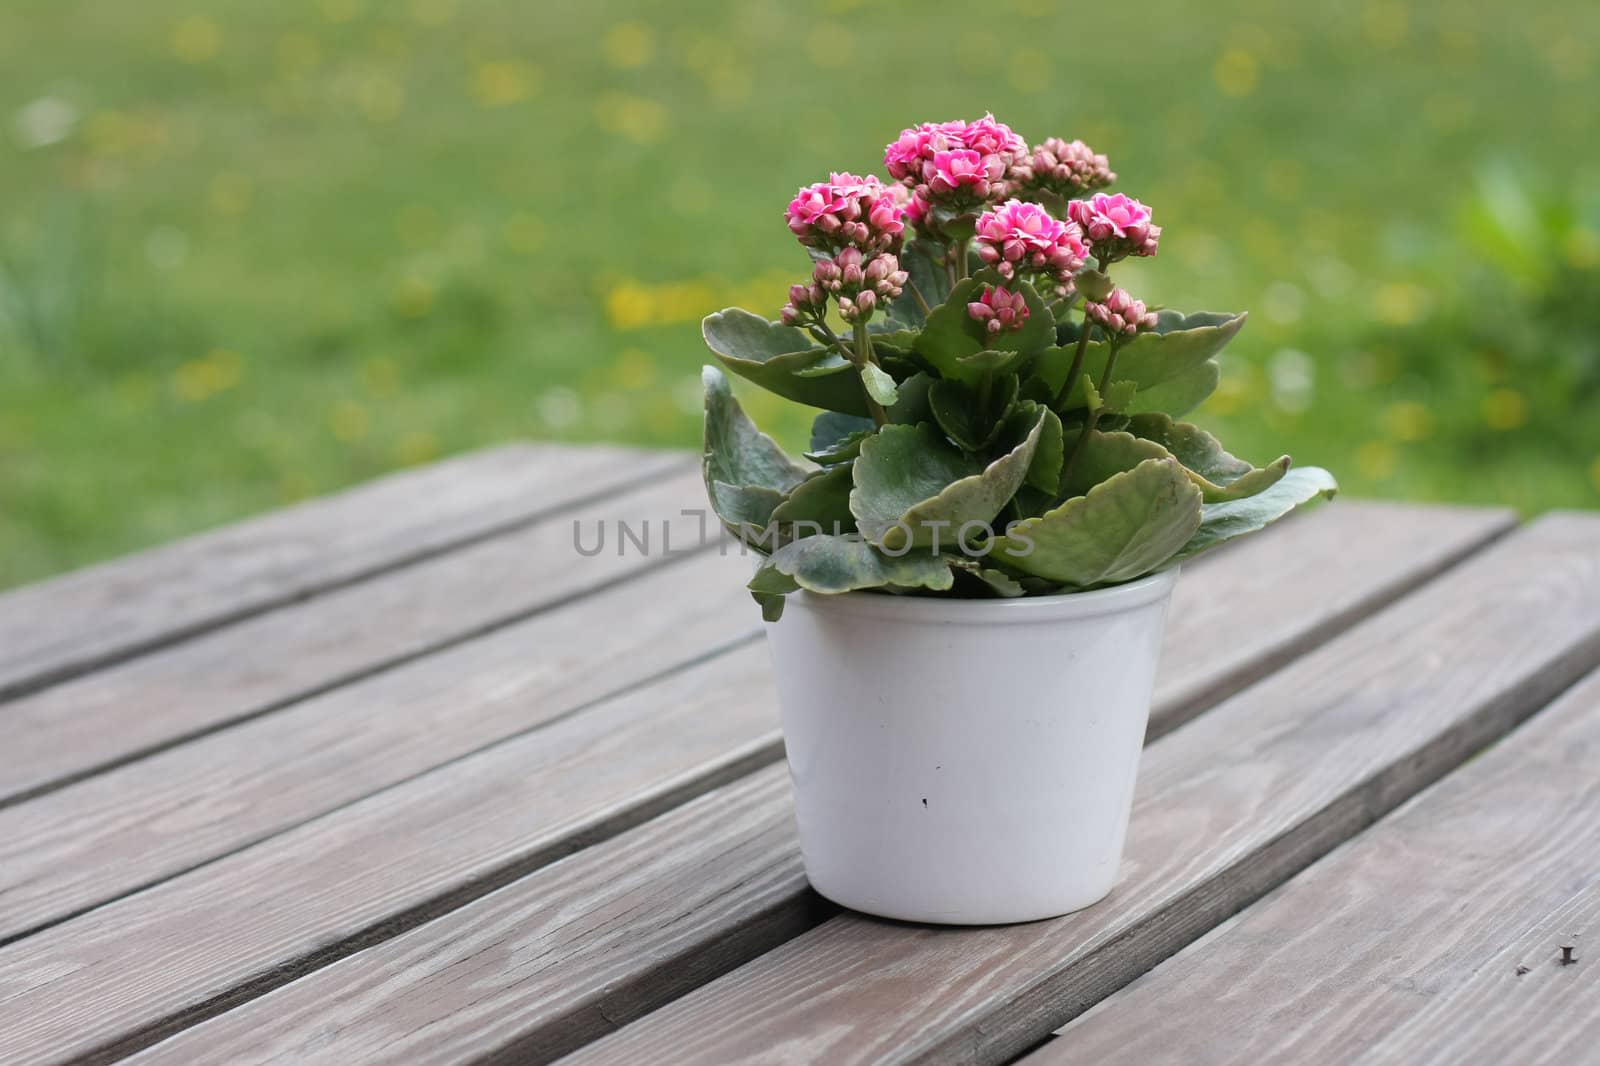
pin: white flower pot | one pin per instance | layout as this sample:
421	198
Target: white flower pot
967	761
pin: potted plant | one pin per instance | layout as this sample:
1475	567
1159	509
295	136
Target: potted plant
967	583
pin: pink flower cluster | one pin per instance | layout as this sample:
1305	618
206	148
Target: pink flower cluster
957	164
846	211
857	281
999	309
1019	237
1064	168
1116	226
1121	313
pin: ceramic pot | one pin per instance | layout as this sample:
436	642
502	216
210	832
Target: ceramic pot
967	761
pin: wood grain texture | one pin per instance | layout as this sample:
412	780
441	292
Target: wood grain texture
109	612
549	962
1262	610
1228	807
1405	945
638	920
141	823
161	815
72	729
126	973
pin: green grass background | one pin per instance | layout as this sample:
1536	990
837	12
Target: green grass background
252	252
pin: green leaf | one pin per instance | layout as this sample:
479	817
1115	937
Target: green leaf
928	276
1182	394
821	500
952	335
913	488
1119	396
1223	521
833	564
746	473
1218	475
736	452
989	359
1176	347
880	386
1045	470
830	429
774	357
955	408
1104	455
912	406
841	451
993	582
1124	528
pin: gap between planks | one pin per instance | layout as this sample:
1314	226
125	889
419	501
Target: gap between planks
100	932
1434	937
111	612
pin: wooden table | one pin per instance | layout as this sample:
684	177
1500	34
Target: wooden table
398	776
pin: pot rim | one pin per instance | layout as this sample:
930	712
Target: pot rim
1021	610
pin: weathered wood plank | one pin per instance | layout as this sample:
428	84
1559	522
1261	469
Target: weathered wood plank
1405	945
637	920
553	960
114	977
78	727
244	784
1229	806
105	613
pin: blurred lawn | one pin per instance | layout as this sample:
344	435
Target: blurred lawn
251	252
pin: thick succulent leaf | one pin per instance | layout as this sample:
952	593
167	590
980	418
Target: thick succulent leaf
912	488
899	467
1180	395
928	277
1219	475
746	510
1105	455
736	452
986	578
989	359
1176	347
819	504
746	473
774	356
955	408
1045	471
912	406
951	335
1124	528
879	385
831	565
841	451
1223	521
830	428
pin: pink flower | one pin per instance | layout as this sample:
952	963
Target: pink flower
1116	226
1022	237
947	172
846	210
1065	168
988	137
999	309
856	280
1120	313
960	165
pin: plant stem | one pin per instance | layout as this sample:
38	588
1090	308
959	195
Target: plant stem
961	260
916	294
1093	420
863	358
1077	365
